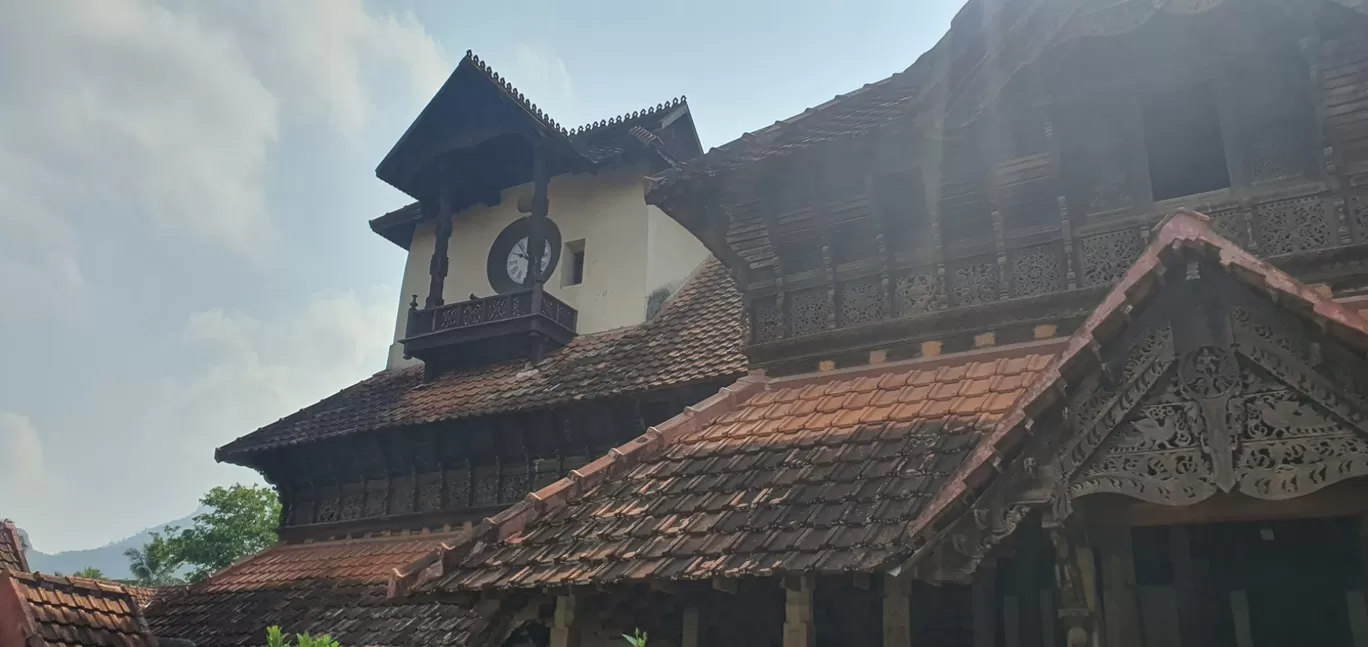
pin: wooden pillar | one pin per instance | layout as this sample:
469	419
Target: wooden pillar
984	595
437	267
1184	585
689	637
1076	580
798	630
1119	606
541	203
565	631
897	613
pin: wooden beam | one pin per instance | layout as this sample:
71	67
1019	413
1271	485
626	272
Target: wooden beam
1184	584
1121	612
437	267
690	637
983	592
798	629
897	613
1346	499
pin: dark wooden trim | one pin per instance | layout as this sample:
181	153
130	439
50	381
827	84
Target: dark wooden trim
1347	499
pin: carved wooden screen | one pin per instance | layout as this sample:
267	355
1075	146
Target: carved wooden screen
1211	388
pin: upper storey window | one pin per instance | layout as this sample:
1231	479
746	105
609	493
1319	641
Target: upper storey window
1183	139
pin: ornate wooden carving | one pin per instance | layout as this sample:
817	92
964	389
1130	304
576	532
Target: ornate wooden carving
1211	388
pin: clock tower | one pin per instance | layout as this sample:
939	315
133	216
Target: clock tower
493	178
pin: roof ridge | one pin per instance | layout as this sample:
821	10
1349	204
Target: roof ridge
515	518
595	126
1183	228
514	93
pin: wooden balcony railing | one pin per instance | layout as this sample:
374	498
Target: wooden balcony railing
486	320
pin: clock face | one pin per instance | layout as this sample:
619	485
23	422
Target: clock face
517	260
507	265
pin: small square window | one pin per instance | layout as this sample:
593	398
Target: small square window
1184	143
574	268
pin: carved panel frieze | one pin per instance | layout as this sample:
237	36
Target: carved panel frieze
458	487
809	310
486	487
920	292
1106	257
1230	223
974	282
329	500
862	301
429	491
352	497
1288	447
377	491
401	495
1296	224
1037	270
767	320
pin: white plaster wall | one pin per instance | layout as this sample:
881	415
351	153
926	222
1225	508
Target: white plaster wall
672	252
630	249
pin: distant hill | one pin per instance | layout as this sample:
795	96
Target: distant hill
109	558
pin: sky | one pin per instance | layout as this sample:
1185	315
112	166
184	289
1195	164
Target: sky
185	186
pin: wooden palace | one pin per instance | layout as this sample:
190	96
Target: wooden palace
1054	338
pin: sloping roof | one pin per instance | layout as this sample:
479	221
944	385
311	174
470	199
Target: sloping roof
814	473
987	43
11	548
602	143
696	337
335	587
61	611
1183	230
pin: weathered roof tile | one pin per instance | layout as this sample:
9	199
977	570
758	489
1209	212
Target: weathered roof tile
837	474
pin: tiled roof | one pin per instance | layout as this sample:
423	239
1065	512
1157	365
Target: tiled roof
814	473
1183	230
695	338
11	548
335	587
76	612
875	105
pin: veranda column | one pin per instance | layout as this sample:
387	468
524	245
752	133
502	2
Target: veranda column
437	268
566	631
897	613
798	630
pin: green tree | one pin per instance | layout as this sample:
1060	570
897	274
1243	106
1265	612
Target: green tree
240	521
154	564
90	573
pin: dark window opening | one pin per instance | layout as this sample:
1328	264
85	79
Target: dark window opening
574	271
1183	139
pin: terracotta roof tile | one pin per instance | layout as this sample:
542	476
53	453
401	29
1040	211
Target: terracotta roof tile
697	337
76	612
335	587
11	548
831	490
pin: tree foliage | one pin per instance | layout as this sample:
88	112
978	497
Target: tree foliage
90	573
154	564
240	520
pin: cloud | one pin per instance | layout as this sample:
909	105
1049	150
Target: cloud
253	372
543	77
165	115
21	453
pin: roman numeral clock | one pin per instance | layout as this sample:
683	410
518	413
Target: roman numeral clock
509	257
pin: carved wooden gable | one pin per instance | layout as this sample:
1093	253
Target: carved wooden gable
1211	384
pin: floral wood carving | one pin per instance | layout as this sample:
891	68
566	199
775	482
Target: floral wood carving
920	293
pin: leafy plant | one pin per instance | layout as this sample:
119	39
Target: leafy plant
90	573
637	639
241	520
154	564
275	638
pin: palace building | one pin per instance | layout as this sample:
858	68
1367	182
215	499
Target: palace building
1054	338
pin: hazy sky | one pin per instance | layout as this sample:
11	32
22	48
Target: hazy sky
185	185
